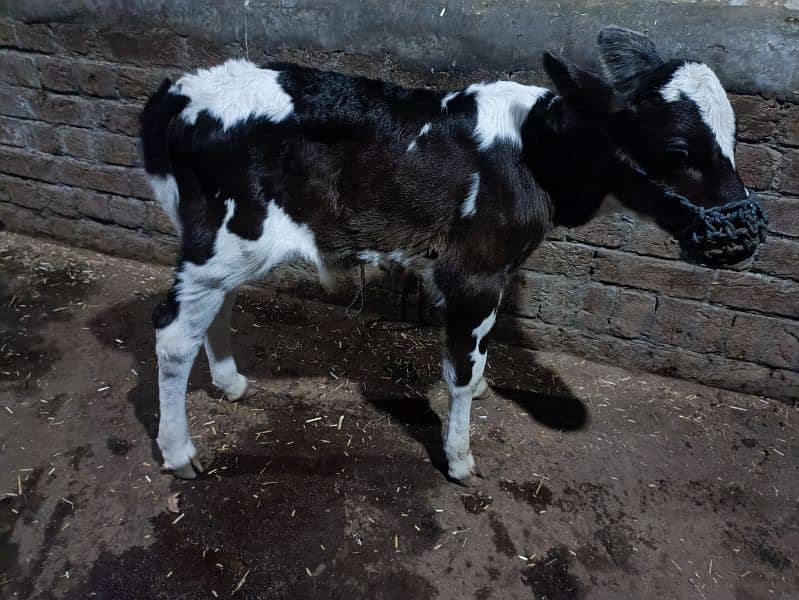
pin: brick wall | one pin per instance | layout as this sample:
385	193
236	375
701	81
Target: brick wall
614	290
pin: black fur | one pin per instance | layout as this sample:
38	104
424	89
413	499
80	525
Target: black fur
159	111
340	165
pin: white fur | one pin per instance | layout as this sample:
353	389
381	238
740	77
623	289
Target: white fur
236	260
460	461
502	107
699	83
224	373
445	100
202	291
469	206
166	193
423	131
234	92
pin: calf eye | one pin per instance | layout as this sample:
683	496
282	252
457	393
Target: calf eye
677	153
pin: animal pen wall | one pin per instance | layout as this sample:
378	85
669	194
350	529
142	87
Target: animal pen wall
76	73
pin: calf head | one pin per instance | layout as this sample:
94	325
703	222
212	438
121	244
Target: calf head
667	132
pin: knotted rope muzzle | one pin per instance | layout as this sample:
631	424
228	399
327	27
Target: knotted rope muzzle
715	236
725	234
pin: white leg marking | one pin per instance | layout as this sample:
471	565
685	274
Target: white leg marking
460	461
176	346
224	373
469	206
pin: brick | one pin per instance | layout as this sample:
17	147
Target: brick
562	258
778	256
117	149
54	108
157	220
94	205
74	38
690	325
757	165
82	174
128	212
647	238
56	74
37	195
709	369
761	339
202	52
783	214
615	311
756	118
12	132
77	142
120	118
7	37
672	277
16	102
608	231
41	136
65	170
752	291
150	48
134	82
36	37
788	132
96	80
140	184
18	69
788	180
632	313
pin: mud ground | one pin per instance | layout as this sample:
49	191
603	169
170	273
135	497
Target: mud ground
327	482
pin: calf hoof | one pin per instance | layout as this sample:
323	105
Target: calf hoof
237	389
480	388
464	471
189	471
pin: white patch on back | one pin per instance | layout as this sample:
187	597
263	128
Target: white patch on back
165	189
469	206
234	92
423	131
502	107
697	82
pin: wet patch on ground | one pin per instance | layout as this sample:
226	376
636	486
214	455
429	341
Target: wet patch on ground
536	494
294	511
550	576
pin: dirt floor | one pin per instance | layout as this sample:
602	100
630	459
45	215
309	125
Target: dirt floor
327	482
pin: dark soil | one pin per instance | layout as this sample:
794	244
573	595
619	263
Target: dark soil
327	481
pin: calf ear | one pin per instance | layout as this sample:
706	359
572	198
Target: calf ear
626	56
582	89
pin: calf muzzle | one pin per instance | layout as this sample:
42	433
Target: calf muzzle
724	235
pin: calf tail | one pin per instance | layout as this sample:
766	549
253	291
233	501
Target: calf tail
158	113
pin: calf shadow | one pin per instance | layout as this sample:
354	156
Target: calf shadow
286	338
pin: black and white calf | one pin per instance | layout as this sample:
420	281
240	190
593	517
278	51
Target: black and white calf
259	166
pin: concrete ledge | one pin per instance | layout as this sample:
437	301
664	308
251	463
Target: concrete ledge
753	45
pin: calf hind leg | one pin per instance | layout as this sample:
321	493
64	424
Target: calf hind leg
181	323
224	373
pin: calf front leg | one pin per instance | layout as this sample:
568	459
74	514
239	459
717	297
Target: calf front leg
181	322
224	373
469	319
